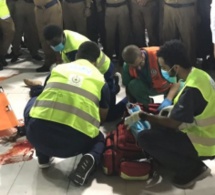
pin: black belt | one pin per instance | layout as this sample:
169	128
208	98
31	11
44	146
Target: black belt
180	5
74	1
115	4
29	1
47	5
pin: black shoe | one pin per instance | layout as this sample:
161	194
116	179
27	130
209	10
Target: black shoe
14	58
1	67
83	170
37	57
45	162
3	61
188	180
10	55
23	45
43	69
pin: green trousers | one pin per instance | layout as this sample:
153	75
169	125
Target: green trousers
139	91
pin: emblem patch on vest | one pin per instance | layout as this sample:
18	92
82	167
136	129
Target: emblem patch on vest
154	72
75	80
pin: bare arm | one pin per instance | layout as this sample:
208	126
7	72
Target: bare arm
173	91
103	114
160	120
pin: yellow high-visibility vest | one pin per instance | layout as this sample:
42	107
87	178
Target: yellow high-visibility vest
73	41
4	11
202	131
71	97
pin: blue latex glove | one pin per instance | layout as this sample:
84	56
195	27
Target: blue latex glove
164	104
139	126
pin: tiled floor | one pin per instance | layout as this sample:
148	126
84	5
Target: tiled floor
26	178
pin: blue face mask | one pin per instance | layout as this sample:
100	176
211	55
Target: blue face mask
58	47
167	77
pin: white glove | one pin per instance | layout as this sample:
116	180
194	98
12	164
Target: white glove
130	120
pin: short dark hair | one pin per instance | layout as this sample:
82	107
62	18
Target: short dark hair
174	52
52	31
131	53
89	51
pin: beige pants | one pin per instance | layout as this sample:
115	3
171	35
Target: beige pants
146	17
73	17
116	21
44	17
24	19
7	32
180	23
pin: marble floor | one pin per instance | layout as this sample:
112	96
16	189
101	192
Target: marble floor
26	178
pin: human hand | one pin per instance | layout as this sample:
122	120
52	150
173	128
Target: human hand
166	102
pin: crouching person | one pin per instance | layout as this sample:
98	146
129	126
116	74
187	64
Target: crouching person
63	121
180	142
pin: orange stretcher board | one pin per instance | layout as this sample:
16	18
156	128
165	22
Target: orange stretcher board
7	116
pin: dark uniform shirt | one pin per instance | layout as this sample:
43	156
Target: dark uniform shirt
190	104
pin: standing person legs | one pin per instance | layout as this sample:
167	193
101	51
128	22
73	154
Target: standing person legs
111	14
151	19
30	32
186	23
124	26
45	17
138	25
169	30
7	29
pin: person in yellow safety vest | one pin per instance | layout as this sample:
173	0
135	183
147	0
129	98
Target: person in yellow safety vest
63	121
6	32
67	43
181	141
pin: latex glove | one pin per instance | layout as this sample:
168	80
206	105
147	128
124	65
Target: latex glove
164	104
132	119
140	126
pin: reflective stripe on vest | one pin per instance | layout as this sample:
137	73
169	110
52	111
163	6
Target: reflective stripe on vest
103	63
102	60
72	102
76	90
202	131
202	140
69	109
199	122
